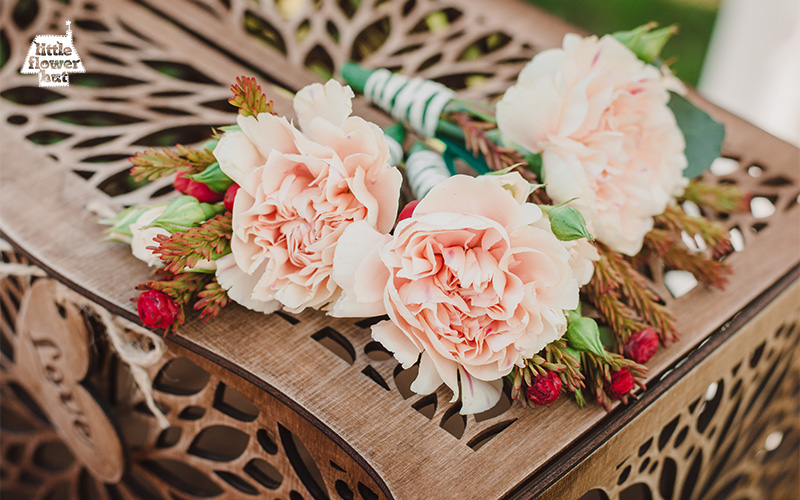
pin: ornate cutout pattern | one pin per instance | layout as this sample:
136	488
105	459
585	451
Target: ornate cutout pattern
218	445
738	440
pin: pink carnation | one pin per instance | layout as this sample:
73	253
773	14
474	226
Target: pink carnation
299	192
599	117
474	281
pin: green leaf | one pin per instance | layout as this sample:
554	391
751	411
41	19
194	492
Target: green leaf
583	334
184	213
607	337
534	163
477	163
210	144
476	109
449	161
120	229
213	177
702	133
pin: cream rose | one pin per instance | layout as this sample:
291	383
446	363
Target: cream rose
299	192
474	281
599	117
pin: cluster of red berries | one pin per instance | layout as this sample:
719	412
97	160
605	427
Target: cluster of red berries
640	347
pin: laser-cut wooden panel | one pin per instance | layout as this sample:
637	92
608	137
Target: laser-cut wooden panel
731	429
159	73
218	444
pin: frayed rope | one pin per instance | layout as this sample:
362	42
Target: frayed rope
137	347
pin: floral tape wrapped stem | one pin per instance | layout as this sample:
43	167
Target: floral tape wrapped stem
415	101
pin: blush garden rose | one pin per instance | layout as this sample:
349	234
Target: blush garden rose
599	117
474	282
299	191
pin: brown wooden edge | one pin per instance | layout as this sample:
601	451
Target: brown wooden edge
222	362
580	449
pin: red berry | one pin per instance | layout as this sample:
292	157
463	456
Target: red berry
544	389
641	346
620	385
408	210
230	195
203	193
157	309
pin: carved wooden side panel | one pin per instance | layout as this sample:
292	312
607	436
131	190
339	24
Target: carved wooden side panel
729	430
70	407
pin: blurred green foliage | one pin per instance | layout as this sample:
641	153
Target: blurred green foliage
695	20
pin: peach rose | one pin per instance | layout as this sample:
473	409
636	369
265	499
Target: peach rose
474	281
299	192
599	117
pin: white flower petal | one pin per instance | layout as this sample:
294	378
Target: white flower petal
143	237
237	156
393	339
478	395
428	378
331	102
239	285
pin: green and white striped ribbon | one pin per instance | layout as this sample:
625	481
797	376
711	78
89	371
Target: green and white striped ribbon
424	170
416	101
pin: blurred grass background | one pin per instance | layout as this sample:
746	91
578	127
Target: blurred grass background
695	20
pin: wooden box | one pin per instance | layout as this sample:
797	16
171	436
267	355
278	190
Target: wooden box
305	406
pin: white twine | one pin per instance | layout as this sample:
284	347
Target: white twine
424	170
137	347
102	209
16	269
395	150
417	101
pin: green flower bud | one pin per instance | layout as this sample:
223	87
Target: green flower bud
120	229
184	213
645	41
213	177
575	314
567	223
583	334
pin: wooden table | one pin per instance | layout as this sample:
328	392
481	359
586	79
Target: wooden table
305	406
